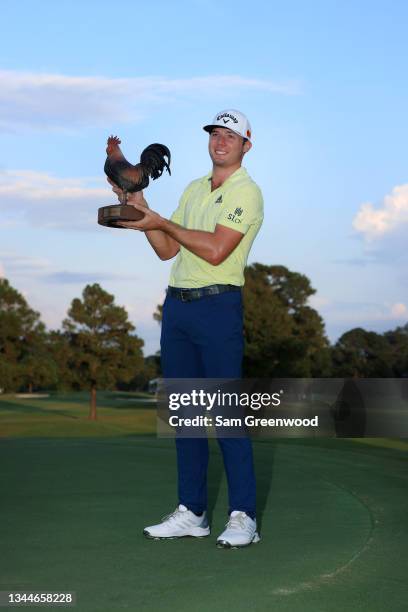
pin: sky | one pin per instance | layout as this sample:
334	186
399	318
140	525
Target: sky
323	84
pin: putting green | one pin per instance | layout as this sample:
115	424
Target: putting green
333	517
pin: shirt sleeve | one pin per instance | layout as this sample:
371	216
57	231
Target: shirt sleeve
178	215
243	208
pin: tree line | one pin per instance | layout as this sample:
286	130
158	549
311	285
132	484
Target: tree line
98	347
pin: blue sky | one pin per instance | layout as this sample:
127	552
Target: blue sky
324	85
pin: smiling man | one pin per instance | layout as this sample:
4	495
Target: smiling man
211	233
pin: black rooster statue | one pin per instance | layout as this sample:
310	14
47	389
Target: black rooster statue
131	178
135	178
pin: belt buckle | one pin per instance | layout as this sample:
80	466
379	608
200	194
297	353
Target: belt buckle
184	295
214	290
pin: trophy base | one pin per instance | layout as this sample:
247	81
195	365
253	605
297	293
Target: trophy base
110	215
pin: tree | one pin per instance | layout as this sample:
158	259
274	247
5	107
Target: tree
62	353
283	335
360	353
38	369
158	314
398	342
140	381
25	361
103	351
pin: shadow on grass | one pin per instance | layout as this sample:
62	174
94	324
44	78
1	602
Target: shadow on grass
264	475
30	409
106	399
263	472
214	477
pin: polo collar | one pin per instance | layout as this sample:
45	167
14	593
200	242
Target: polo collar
240	172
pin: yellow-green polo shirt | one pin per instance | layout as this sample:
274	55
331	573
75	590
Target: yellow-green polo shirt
237	204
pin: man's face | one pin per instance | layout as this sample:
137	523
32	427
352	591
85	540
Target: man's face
227	148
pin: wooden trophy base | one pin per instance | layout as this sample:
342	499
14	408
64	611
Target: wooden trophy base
110	215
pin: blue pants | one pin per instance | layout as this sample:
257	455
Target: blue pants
204	339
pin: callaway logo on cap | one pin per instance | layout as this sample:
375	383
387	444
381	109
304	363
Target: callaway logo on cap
233	120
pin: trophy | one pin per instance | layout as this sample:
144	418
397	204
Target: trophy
131	178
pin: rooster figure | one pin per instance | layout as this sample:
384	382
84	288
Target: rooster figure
131	178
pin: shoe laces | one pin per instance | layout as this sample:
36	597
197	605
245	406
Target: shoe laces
237	521
173	515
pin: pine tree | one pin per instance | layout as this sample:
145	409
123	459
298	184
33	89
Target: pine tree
25	361
103	350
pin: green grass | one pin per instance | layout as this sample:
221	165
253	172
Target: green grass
76	495
66	415
332	516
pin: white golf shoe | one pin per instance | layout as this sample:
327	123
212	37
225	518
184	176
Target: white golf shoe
180	523
240	531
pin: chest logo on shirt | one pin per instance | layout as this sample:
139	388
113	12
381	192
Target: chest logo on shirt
234	216
218	200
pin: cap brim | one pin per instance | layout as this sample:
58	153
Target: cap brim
209	128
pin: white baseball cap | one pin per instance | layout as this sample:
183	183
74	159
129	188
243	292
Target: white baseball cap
233	120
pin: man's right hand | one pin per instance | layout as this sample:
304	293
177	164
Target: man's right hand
132	198
117	190
137	198
164	246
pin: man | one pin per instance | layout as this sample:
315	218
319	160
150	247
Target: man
211	232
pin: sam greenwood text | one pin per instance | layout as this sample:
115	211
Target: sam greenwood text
249	421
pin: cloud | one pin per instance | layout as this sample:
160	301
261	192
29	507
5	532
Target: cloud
341	316
42	270
374	224
55	101
23	264
318	301
357	261
46	201
66	278
361	314
31	185
399	311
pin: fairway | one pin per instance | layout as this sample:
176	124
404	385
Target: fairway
333	525
65	415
